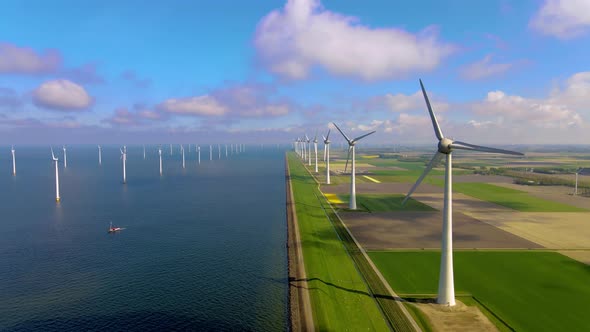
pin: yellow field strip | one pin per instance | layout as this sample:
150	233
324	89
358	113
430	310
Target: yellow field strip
371	179
333	199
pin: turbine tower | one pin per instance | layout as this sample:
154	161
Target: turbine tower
14	163
57	199
99	155
575	187
304	149
446	286
144	152
226	151
170	149
124	159
315	148
218	151
160	154
308	150
182	151
199	153
65	157
327	155
210	152
351	144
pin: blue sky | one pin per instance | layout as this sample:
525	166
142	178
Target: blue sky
188	71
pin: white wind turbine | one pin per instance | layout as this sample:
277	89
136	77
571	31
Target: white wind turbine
303	144
14	163
55	160
446	286
144	152
99	155
170	149
218	151
351	149
308	150
199	153
182	151
226	151
327	155
575	188
124	159
210	152
160	154
65	157
315	148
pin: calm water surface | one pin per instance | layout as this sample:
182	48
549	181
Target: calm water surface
203	247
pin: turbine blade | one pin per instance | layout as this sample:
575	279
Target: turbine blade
324	137
437	130
345	137
52	155
363	136
328	136
347	158
466	146
437	156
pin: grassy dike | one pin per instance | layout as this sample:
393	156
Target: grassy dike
337	278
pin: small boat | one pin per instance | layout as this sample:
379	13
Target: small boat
114	229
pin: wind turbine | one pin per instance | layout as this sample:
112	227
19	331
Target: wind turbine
57	199
315	148
199	153
170	149
446	286
327	155
99	155
124	159
182	151
160	153
351	144
218	151
14	163
65	158
303	144
226	151
144	152
210	152
575	188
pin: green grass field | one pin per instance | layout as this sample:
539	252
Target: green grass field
385	203
529	290
339	295
514	199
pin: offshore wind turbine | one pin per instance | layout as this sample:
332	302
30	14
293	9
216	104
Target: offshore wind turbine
351	149
14	163
99	155
124	159
327	155
170	149
218	151
199	153
160	154
182	151
210	152
226	151
55	160
65	157
446	286
315	148
144	152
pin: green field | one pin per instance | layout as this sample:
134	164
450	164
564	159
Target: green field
529	290
340	298
514	199
385	203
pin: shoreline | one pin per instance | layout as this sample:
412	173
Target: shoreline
300	314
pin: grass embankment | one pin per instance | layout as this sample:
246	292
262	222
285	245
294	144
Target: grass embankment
529	291
384	203
512	198
339	296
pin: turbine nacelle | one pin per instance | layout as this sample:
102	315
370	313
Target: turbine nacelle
445	146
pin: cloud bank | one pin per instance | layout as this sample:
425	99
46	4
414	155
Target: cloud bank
62	95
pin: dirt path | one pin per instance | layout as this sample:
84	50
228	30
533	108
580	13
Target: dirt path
457	319
300	314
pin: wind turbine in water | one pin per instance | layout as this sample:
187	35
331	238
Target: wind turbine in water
65	157
55	160
144	152
170	149
218	151
210	152
160	154
327	155
99	155
315	148
182	151
124	159
14	163
351	149
199	154
446	286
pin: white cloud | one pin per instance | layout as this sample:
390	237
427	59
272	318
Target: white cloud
24	60
562	18
484	68
201	105
302	35
62	95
